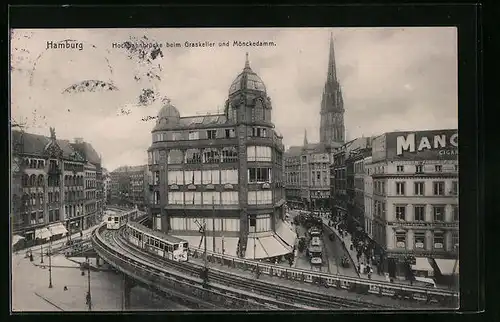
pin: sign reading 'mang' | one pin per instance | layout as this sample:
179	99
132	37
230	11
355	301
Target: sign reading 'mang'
437	142
419	145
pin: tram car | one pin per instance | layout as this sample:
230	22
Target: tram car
157	243
117	220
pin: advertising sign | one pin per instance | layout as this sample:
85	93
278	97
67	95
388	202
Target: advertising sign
417	145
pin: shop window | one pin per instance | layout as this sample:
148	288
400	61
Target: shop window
438	240
401	239
419	240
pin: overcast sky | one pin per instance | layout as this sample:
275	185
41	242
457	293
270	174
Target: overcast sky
392	79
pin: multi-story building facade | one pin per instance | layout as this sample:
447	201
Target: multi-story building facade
347	200
106	181
93	205
368	198
415	179
90	206
224	171
307	167
130	185
52	181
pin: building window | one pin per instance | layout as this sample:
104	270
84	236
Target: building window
230	133
454	187
229	154
456	167
419	213
175	157
438	188
211	155
456	216
259	175
259	132
156	177
419	240
193	135
264	197
419	168
400	168
259	153
438	213
455	239
438	168
252	223
438	240
401	213
418	188
400	239
229	197
211	177
229	176
193	156
211	134
400	188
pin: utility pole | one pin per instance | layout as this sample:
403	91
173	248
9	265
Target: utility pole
50	264
213	223
89	296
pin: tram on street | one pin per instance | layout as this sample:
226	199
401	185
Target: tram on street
315	251
157	243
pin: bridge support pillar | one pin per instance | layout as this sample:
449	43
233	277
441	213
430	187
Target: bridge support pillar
127	286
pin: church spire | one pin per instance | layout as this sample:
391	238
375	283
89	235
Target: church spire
332	68
247	62
305	137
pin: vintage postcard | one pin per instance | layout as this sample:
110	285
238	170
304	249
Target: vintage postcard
234	169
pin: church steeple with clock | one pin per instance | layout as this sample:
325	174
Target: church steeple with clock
332	127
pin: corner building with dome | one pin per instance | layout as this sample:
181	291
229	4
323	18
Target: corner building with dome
224	171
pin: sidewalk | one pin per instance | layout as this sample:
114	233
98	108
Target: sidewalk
60	242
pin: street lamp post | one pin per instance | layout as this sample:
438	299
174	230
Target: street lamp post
50	265
213	223
89	296
41	253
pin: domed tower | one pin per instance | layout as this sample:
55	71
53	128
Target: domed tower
168	117
247	100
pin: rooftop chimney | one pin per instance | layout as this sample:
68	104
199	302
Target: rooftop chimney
78	140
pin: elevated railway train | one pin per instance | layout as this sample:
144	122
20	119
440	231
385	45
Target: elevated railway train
116	220
157	243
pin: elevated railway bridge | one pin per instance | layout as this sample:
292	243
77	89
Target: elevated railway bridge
235	283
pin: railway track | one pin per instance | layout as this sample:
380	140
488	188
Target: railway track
233	296
281	293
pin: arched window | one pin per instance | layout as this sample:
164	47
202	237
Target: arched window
26	180
40	180
32	180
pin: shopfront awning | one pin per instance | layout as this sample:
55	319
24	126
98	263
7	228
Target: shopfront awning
255	250
57	229
422	264
285	232
447	266
16	239
42	233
